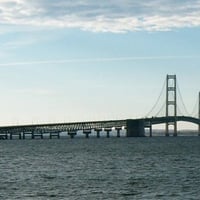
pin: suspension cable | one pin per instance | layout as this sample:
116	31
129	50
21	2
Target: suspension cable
194	110
181	98
179	111
161	109
158	99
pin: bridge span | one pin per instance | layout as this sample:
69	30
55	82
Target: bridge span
133	127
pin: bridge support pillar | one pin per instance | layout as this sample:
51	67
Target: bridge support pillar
98	132
118	131
72	134
175	134
87	133
149	126
29	133
108	132
135	128
54	135
199	130
15	134
150	130
37	134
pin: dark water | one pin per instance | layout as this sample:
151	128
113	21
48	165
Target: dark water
115	168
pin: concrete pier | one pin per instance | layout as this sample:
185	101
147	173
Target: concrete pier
37	134
30	133
87	133
98	132
72	133
118	129
107	130
150	131
149	126
54	135
167	134
135	128
199	130
15	134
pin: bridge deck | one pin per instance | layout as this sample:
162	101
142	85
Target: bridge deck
56	128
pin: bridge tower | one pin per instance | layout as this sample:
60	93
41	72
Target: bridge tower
171	103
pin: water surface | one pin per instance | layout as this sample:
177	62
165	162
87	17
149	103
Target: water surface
114	168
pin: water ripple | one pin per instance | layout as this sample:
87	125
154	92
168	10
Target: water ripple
136	168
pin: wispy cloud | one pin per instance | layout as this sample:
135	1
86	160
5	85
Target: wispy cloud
111	59
102	16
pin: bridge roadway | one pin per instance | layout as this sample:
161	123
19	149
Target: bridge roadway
134	127
161	120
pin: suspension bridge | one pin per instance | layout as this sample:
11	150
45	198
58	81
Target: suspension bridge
169	112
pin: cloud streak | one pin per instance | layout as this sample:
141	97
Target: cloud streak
111	59
102	16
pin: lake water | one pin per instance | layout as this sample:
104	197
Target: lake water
105	168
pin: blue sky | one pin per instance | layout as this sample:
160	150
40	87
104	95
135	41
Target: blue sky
86	60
